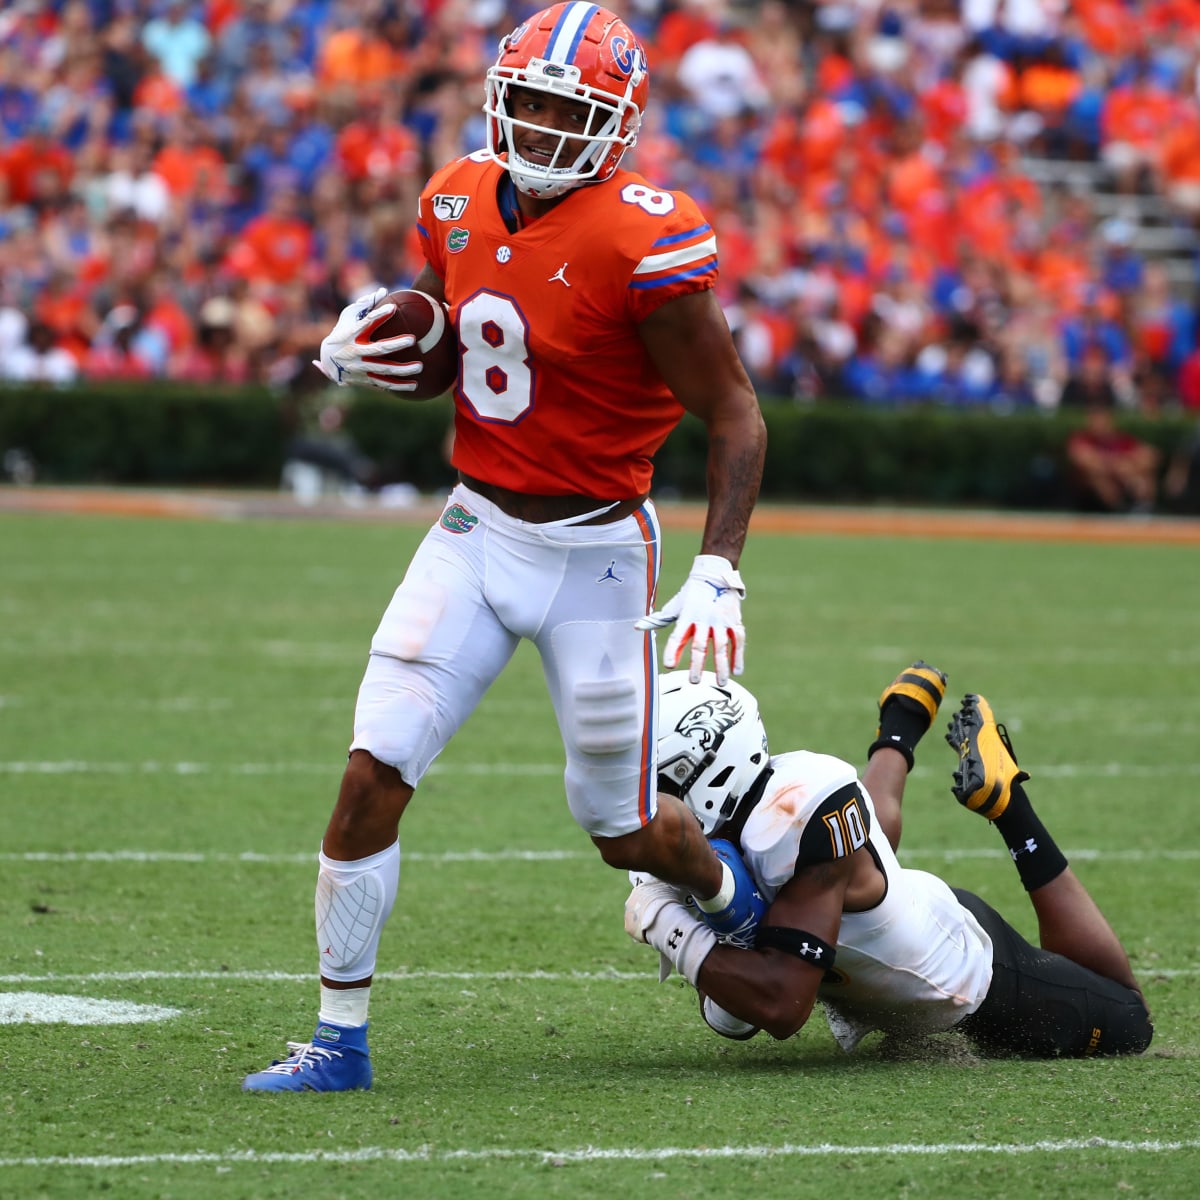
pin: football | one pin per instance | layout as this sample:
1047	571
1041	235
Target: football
437	346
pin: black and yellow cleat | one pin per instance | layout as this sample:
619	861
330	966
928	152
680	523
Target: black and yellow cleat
918	688
987	765
907	708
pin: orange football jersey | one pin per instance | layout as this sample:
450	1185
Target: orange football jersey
556	394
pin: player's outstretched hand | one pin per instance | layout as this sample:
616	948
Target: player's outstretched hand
345	350
706	611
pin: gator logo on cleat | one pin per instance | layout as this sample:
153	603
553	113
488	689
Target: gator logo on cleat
326	1033
458	520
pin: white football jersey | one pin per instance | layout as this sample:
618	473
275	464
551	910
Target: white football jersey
916	963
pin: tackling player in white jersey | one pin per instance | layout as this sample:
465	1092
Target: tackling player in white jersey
880	946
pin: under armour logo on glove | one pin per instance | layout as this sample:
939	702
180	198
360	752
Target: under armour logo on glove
807	951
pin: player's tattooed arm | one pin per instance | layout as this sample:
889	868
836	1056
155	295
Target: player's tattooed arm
690	344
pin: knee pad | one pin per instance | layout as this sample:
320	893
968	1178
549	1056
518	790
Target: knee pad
605	716
353	901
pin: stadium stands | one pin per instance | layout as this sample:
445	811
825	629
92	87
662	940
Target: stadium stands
918	201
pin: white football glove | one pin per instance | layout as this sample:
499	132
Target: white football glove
345	350
654	914
707	609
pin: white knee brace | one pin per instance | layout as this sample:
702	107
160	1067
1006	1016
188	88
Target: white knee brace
354	899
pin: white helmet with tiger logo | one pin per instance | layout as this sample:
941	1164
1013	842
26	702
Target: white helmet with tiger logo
712	745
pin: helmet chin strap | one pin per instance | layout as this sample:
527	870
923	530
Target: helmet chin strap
538	184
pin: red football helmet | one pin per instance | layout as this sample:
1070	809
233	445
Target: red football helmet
582	52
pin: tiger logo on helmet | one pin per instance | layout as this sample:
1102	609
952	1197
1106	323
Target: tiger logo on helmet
712	745
582	52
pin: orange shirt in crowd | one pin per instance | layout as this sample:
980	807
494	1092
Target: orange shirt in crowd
782	154
821	133
1108	25
1062	274
933	228
909	178
945	109
1181	151
191	170
29	158
1048	88
855	292
168	315
159	94
273	247
357	58
1000	196
739	255
218	14
834	72
678	31
1168	15
368	150
68	312
1137	115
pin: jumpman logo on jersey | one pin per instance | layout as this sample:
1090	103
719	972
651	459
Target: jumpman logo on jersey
611	574
559	276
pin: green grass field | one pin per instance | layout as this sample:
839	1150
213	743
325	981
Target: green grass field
175	704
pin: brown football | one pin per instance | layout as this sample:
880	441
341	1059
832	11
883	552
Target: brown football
437	346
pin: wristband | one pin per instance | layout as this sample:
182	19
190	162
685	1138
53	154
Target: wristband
797	942
687	945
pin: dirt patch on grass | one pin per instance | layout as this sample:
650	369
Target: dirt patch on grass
768	518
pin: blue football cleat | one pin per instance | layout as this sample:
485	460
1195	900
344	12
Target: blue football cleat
336	1060
737	924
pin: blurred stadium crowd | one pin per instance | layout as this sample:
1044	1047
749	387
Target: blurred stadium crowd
193	189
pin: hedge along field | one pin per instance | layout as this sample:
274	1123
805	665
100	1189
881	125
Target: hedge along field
833	451
175	703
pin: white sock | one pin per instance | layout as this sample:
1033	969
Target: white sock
344	1006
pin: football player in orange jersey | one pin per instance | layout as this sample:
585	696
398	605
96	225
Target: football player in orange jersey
583	301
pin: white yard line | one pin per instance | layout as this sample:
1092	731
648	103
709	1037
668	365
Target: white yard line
333	767
594	1154
607	975
1096	770
485	856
